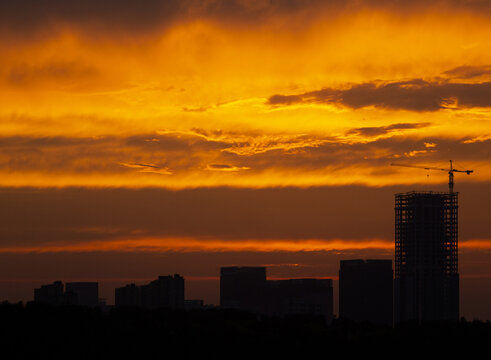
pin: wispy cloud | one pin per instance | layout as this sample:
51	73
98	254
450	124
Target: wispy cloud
225	167
148	168
382	130
224	158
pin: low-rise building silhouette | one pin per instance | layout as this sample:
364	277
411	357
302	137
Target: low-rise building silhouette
127	296
242	287
299	296
246	288
83	293
366	291
165	292
52	294
194	304
77	293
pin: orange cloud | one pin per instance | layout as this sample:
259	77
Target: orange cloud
195	245
247	159
91	96
481	244
155	245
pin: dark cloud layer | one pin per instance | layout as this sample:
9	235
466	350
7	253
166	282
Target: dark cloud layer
33	16
414	95
38	216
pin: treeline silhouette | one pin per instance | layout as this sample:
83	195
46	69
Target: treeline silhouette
76	332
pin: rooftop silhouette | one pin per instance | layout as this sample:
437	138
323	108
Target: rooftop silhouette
246	288
77	293
165	292
365	290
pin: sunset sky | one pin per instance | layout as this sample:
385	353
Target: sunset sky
146	138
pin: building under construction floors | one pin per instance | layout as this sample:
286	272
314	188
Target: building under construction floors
426	286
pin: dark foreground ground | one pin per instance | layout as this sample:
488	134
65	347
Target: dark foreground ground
39	331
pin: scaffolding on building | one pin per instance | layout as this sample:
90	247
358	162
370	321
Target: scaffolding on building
426	256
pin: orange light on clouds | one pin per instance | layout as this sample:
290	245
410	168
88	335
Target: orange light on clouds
203	245
211	75
360	174
482	244
208	245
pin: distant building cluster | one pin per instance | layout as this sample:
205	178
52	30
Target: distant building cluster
165	292
76	293
425	286
246	288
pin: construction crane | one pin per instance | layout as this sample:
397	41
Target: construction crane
450	172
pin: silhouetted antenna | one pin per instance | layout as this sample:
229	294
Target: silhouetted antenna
450	172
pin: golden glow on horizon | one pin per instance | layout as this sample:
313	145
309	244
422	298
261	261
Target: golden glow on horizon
208	245
482	244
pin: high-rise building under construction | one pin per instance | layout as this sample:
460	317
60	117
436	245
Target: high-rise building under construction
426	286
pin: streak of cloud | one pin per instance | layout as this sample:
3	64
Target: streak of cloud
225	167
148	168
469	72
233	159
413	95
382	130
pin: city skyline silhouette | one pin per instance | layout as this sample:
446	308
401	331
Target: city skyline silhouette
152	138
206	287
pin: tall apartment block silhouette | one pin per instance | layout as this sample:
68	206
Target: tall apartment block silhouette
426	286
365	291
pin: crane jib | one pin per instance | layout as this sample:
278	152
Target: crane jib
450	172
